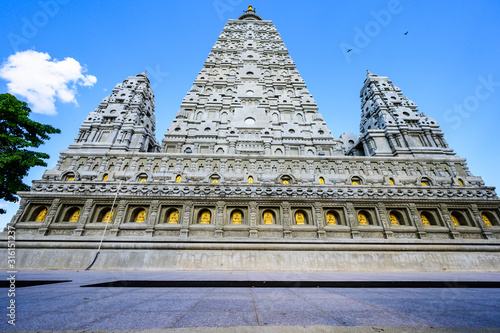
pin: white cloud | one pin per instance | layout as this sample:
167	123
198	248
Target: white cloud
40	80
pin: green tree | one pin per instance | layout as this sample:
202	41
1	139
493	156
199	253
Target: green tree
18	133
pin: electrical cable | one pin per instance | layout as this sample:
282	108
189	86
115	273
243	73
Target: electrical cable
106	226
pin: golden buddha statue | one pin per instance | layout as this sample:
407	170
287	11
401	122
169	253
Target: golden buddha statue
330	219
105	178
41	215
424	219
178	179
285	182
173	217
460	182
321	180
250	180
362	219
391	181
394	219
237	218
455	220
205	217
268	218
424	183
70	179
108	216
355	182
141	217
486	220
214	181
299	218
75	216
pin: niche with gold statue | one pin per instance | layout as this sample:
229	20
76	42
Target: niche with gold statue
103	214
366	217
334	217
268	216
236	216
172	215
137	214
204	216
398	217
301	217
70	213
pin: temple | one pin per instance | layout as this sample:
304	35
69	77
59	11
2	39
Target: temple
249	176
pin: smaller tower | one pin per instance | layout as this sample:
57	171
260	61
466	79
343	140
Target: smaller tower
391	124
123	121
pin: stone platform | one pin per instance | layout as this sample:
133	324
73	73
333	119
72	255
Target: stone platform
271	255
68	306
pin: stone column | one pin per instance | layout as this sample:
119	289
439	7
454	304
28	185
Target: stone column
406	138
94	130
417	221
232	146
352	219
219	219
84	217
22	210
267	148
73	163
49	217
119	163
480	222
453	169
253	219
287	232
382	212
163	166
90	163
443	209
365	146
152	217
318	215
104	164
188	210
119	217
149	164
392	142
368	168
133	164
113	136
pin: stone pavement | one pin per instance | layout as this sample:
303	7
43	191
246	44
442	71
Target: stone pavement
67	306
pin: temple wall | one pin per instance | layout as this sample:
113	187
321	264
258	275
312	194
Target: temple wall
351	256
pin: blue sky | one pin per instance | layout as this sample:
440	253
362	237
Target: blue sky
448	63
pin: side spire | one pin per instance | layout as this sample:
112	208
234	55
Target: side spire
123	120
391	124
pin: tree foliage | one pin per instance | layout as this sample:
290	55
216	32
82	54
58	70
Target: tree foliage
18	133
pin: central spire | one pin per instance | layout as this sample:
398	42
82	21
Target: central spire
249	99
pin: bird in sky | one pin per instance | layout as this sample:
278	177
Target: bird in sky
349	50
406	33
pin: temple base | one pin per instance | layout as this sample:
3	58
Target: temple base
349	255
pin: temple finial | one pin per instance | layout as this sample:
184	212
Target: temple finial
250	8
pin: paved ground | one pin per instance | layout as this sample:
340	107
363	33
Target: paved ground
67	306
